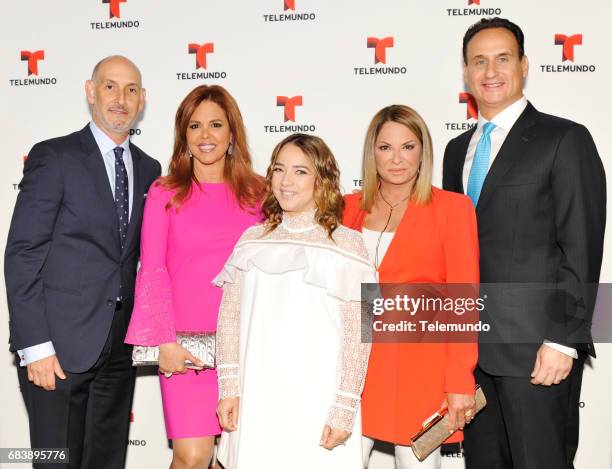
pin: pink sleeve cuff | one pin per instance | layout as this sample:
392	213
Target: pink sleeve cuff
152	320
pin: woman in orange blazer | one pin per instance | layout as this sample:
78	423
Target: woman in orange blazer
415	233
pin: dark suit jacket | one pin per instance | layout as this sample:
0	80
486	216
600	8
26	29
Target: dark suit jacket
63	262
541	220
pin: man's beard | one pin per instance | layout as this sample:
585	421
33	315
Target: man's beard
115	127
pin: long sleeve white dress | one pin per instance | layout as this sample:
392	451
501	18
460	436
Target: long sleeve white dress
289	344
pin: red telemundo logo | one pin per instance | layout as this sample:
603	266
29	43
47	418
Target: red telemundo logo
32	58
289	4
289	104
380	48
471	108
568	43
114	8
200	52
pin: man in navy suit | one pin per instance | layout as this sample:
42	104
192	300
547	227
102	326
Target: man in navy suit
539	189
70	267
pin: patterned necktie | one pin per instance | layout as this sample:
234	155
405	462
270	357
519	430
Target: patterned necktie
480	164
122	199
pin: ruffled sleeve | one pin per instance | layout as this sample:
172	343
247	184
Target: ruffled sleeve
152	321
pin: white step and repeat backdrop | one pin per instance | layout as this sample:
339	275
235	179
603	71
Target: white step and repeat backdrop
293	65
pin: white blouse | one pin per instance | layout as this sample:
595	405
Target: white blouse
371	238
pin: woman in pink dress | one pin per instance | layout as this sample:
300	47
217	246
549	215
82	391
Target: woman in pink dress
192	219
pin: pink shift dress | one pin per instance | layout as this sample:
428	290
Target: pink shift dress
181	252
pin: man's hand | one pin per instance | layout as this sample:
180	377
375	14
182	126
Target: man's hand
461	410
227	411
42	372
551	366
333	437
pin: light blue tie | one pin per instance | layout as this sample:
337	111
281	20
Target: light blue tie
480	164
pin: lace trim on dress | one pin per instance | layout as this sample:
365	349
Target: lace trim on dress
300	222
353	366
152	321
228	340
343	238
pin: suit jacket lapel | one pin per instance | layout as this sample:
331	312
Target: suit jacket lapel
95	164
137	197
513	148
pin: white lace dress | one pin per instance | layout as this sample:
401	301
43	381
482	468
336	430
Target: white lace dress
289	344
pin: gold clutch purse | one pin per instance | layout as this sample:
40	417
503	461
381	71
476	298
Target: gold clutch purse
199	344
434	430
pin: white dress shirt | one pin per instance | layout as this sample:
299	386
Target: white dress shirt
503	123
106	146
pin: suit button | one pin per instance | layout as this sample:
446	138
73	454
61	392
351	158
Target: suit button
110	302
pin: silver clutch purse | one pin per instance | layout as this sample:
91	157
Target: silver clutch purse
199	344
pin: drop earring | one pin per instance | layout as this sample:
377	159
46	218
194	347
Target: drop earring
230	149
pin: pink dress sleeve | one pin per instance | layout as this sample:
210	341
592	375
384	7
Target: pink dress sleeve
152	321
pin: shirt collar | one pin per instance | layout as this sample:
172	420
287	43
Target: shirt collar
300	222
506	119
105	143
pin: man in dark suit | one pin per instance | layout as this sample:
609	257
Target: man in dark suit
70	267
539	189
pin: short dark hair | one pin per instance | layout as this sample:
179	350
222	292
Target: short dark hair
488	23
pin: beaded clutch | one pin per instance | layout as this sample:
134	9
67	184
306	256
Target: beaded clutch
434	430
199	344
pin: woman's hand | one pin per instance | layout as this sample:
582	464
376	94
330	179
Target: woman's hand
461	410
333	437
172	359
227	411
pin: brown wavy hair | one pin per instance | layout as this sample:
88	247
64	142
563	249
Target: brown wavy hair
247	186
327	196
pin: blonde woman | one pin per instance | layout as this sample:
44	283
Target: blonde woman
414	233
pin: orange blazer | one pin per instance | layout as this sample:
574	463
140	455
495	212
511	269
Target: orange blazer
407	382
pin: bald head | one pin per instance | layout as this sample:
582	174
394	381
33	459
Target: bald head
112	61
116	96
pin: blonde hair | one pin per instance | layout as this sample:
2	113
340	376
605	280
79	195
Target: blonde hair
327	196
421	192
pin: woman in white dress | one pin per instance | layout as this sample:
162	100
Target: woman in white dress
290	358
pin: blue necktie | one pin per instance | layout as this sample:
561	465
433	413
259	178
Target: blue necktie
122	199
480	164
